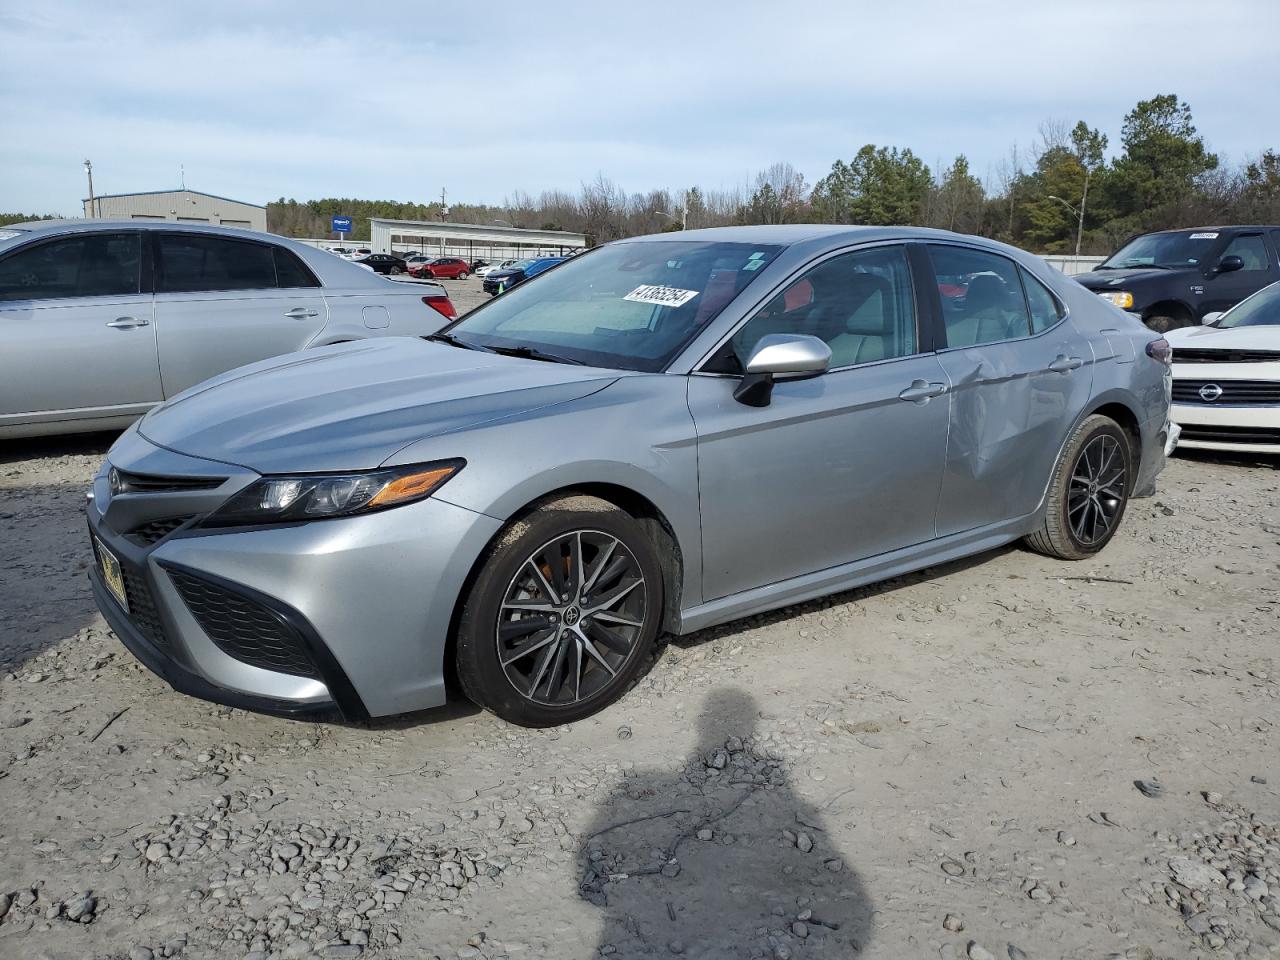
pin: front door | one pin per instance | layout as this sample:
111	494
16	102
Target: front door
76	329
836	468
1020	375
1222	291
218	306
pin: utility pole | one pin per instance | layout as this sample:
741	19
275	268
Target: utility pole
1079	213
88	169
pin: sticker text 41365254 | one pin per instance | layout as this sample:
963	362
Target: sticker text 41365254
662	296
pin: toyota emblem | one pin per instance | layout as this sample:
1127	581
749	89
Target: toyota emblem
1210	392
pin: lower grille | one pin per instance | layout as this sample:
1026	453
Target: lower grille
142	609
155	530
244	629
1220	434
1234	392
1224	356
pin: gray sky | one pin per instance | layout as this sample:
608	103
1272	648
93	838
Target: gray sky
394	100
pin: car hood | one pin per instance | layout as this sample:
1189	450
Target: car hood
1261	337
503	274
1118	279
351	406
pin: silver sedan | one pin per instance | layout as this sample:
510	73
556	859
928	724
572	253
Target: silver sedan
101	320
660	435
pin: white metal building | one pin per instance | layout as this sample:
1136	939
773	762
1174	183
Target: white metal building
180	206
468	240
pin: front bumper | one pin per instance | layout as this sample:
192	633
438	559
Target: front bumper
350	614
1228	427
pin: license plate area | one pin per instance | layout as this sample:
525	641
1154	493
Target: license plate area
112	573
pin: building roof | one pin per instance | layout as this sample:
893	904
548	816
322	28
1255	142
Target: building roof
154	193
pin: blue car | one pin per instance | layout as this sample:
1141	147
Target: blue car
520	271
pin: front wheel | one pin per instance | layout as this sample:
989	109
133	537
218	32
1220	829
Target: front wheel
563	615
1088	493
463	275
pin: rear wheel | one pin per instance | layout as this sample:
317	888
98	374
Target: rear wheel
563	614
396	271
1088	493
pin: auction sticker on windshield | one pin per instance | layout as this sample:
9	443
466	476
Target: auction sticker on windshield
660	295
1204	236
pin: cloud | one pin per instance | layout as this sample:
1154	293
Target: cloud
320	99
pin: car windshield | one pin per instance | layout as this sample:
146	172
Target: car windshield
1172	251
1260	310
629	305
521	264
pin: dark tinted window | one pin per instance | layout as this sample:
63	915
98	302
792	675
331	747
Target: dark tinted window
860	304
1250	249
190	263
89	265
981	295
291	272
1045	309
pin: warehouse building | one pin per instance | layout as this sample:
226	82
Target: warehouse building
179	206
470	240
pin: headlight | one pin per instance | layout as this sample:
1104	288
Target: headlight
319	496
1121	298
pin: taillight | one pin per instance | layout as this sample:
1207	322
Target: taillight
441	303
1160	351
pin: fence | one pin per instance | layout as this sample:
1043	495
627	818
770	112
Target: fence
1072	266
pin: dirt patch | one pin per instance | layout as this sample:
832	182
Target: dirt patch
903	770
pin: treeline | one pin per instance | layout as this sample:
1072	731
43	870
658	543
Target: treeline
1161	175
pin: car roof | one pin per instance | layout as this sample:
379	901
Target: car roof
1220	229
333	272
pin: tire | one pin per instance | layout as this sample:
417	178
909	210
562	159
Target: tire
396	271
1163	322
463	275
1087	498
580	655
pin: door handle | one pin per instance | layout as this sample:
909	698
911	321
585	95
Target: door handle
1065	364
128	323
922	391
301	313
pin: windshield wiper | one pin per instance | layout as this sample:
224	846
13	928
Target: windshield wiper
452	341
532	353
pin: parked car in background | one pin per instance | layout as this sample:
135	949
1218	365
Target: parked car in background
486	270
416	259
443	268
656	436
477	264
1173	278
1226	377
500	280
387	263
102	320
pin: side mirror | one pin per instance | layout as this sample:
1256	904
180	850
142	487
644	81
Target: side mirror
1230	264
780	355
1210	318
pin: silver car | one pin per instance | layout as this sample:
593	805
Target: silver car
660	435
102	320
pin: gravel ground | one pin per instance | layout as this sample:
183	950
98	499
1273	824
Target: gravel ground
1004	757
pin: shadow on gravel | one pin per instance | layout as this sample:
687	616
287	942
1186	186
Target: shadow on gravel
722	858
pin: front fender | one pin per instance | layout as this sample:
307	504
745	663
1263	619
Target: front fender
636	434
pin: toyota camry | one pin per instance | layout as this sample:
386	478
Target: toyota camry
660	435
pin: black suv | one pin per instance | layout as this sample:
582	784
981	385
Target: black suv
1174	277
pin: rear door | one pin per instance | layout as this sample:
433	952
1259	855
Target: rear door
1020	375
76	331
224	302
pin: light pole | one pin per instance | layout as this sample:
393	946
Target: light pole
683	219
1079	213
88	169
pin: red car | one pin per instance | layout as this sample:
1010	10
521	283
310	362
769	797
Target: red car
442	268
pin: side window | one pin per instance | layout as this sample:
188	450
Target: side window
292	272
1249	248
1044	306
981	296
860	304
192	262
88	265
